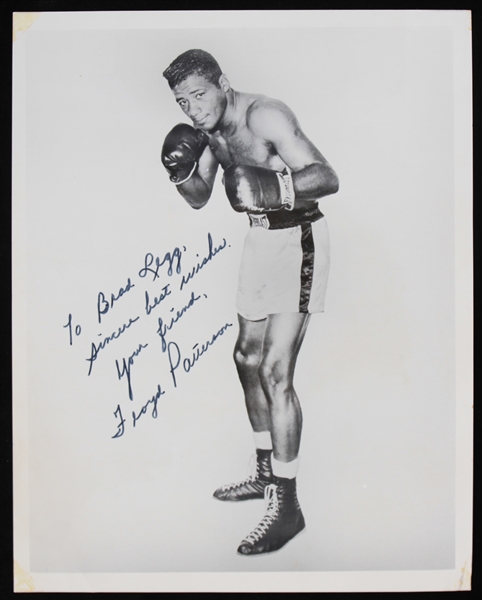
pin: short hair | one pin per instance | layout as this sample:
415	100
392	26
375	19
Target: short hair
193	62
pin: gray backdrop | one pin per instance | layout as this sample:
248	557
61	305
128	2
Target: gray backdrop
376	375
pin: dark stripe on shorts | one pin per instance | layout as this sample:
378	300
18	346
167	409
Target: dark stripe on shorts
307	264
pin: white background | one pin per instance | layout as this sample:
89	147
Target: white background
376	374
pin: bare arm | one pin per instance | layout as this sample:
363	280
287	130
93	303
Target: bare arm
197	190
313	177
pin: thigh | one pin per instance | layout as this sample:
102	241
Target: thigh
283	337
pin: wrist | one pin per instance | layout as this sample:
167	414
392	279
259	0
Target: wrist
286	189
182	177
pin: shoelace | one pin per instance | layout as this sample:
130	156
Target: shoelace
272	510
252	475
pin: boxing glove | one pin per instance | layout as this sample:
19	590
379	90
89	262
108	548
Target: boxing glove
181	151
256	189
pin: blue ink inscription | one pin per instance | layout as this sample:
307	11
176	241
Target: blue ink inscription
126	367
169	258
211	254
103	306
174	354
157	300
78	328
152	401
164	328
120	425
94	349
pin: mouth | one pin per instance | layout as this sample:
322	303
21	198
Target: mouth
200	122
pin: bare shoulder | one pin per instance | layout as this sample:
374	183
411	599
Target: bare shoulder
275	123
267	117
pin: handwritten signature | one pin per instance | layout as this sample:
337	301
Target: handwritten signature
172	259
121	427
103	306
164	328
175	356
126	368
157	299
95	348
181	267
212	251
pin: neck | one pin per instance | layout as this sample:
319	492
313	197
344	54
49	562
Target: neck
230	117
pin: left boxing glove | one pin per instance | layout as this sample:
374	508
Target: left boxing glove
181	151
256	189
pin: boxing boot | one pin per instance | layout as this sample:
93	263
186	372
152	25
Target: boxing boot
281	523
253	487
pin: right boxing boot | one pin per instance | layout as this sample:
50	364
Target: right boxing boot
281	523
253	487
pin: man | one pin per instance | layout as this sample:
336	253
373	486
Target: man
276	175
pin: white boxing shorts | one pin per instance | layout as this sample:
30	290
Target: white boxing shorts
284	270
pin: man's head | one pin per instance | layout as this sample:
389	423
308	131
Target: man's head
193	62
200	87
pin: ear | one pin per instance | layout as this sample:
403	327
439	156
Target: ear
224	83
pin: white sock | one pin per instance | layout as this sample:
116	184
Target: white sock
288	470
262	440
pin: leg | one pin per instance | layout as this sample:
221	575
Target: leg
283	519
247	356
282	341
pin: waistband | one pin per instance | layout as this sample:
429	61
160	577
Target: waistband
282	219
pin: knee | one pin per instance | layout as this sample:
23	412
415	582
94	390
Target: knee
246	359
274	375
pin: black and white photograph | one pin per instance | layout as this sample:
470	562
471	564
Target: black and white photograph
242	301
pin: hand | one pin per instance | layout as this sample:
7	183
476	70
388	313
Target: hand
181	151
256	189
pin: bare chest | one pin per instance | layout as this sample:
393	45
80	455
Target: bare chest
242	147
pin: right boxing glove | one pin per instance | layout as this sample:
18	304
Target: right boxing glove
181	151
257	189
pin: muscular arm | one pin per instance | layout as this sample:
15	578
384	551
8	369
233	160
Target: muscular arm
197	190
313	177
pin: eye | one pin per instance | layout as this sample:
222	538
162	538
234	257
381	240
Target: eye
199	95
182	103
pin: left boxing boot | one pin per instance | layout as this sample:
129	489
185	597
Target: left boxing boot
281	523
253	487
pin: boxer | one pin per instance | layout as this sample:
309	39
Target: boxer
274	174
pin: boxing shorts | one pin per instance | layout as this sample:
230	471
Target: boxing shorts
285	264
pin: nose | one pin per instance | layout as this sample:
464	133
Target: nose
194	109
